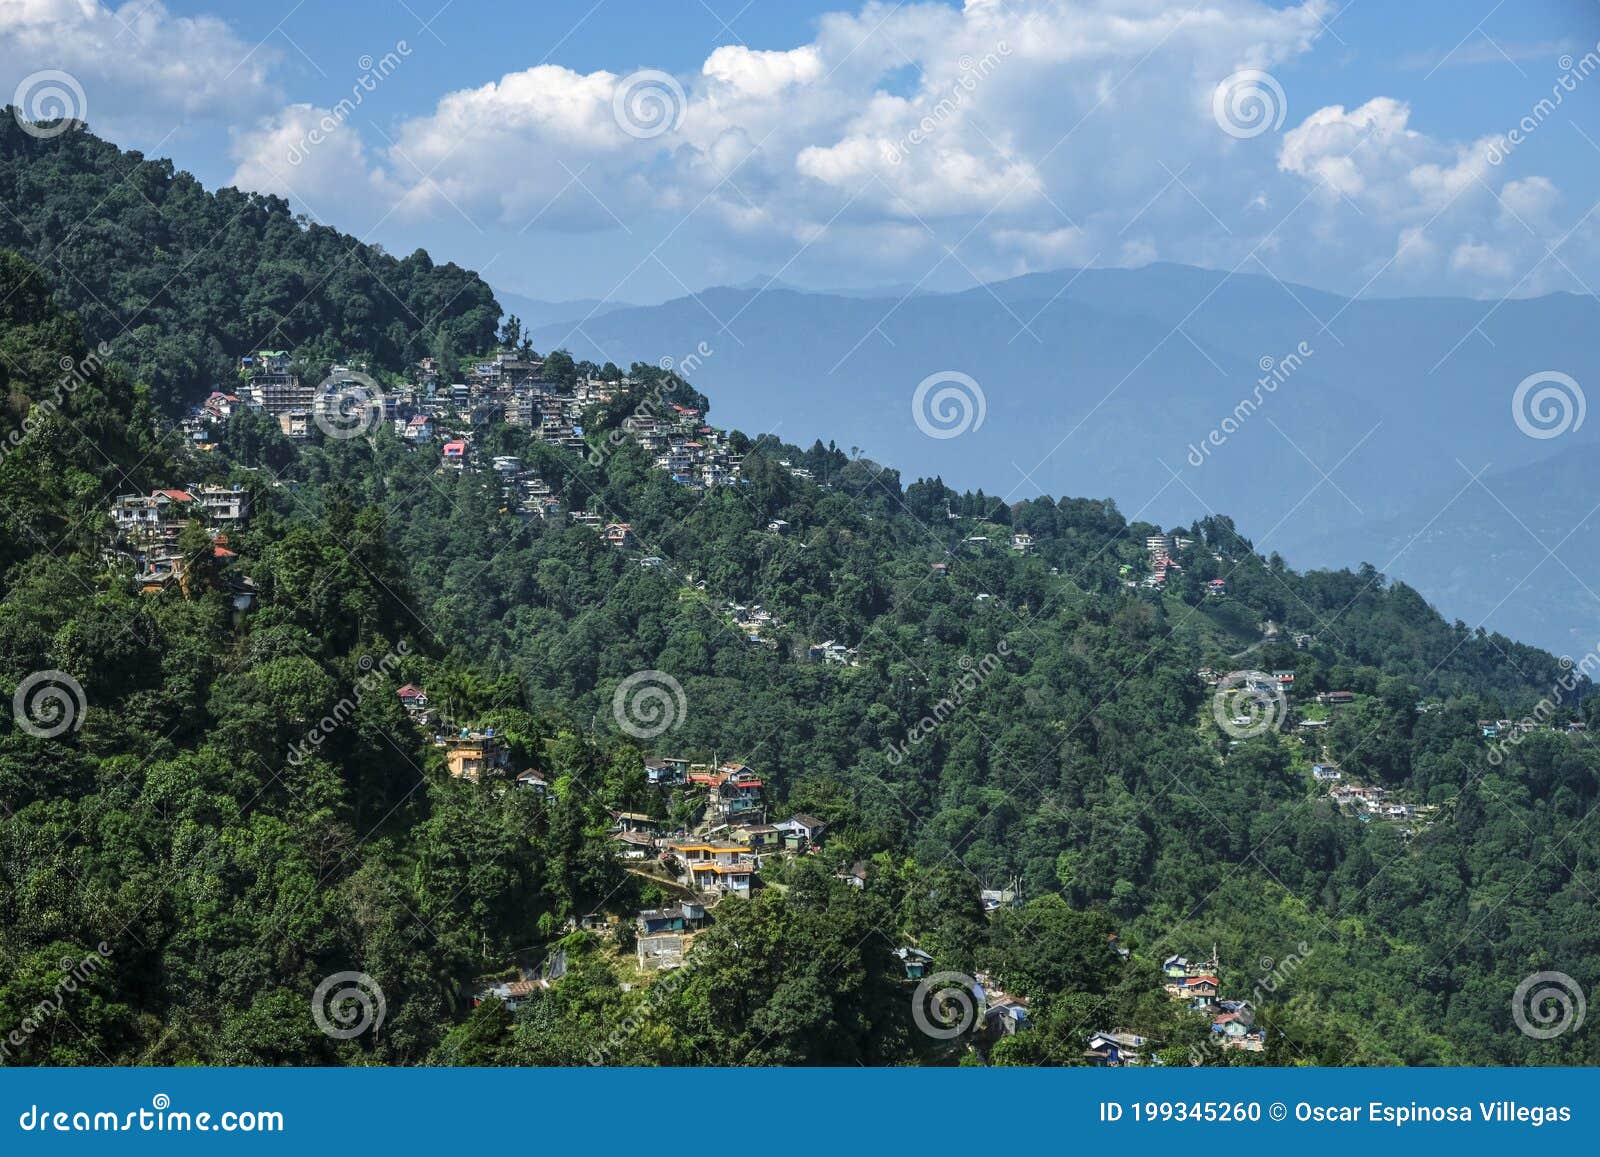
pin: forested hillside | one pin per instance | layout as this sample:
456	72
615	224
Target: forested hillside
1031	722
182	281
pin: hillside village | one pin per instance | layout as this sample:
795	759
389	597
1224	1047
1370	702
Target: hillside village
435	415
722	840
447	419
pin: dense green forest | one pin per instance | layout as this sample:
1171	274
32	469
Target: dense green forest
182	282
227	871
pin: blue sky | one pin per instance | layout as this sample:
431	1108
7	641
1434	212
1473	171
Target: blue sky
1084	134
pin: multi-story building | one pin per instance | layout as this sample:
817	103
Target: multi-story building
471	754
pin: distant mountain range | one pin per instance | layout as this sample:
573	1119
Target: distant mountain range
1337	430
536	313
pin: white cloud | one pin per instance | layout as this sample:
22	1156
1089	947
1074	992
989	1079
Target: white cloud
762	75
144	72
1018	116
1445	215
899	141
1531	200
315	158
1481	259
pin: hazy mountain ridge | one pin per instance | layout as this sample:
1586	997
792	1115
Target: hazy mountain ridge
1109	382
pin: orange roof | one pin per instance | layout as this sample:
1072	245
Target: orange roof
706	847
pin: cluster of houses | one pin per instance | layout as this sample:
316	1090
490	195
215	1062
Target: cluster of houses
731	839
145	530
692	453
1282	681
1198	984
269	384
1507	728
503	388
834	653
448	418
1282	678
1368	801
722	857
754	623
522	491
511	389
1161	549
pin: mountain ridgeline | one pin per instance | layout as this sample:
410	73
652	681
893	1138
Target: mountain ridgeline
1021	709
